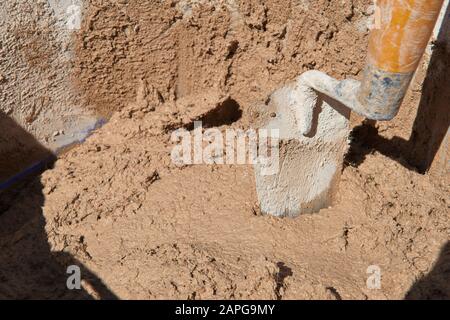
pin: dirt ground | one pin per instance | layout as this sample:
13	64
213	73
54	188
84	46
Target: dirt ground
142	228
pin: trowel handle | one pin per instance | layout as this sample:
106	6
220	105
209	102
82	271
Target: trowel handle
398	39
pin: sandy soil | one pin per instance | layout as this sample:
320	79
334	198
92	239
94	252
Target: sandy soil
141	227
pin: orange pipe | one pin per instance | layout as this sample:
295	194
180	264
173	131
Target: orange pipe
397	42
401	32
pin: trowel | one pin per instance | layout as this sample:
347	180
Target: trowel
312	113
